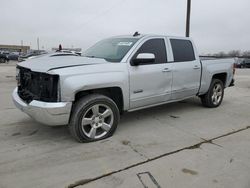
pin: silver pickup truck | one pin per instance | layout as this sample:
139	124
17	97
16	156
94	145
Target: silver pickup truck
119	74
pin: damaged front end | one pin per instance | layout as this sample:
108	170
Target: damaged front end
37	86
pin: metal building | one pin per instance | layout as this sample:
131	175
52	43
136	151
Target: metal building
14	48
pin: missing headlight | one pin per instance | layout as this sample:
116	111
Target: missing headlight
37	86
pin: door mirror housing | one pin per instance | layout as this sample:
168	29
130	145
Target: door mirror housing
143	58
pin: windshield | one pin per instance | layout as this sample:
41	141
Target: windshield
113	49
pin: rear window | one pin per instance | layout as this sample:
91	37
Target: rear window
182	50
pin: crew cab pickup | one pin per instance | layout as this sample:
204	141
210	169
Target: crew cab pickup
119	74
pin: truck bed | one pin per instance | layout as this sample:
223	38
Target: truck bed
214	66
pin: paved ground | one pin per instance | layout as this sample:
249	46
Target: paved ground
174	145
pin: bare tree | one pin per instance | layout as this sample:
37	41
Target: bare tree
246	53
234	53
220	54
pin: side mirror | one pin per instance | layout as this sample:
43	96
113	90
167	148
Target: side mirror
143	58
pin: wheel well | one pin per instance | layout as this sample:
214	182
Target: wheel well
115	93
221	76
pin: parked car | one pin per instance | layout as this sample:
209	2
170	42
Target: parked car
79	53
25	57
3	58
120	74
68	52
246	63
239	63
13	56
30	55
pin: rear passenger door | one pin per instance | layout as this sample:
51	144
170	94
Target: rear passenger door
186	69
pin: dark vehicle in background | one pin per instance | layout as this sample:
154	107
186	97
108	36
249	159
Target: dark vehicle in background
30	55
3	58
246	63
24	57
239	63
68	52
243	63
13	56
9	56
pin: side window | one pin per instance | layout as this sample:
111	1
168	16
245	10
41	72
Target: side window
156	47
182	50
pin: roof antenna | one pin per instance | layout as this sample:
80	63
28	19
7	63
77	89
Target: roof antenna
136	34
60	47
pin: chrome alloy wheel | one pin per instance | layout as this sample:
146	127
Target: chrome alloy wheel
97	121
217	94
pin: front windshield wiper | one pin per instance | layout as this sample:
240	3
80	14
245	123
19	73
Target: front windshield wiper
107	59
91	56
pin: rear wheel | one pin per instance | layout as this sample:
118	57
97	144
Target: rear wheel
93	118
2	60
215	94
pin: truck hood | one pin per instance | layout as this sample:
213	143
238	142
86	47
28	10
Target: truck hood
48	62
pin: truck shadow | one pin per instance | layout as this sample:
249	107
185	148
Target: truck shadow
28	130
172	110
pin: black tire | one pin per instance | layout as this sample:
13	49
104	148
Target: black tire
2	60
208	100
83	108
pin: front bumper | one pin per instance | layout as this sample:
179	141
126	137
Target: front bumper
49	113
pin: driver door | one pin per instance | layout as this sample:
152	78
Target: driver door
150	83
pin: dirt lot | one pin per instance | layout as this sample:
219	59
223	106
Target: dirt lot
176	145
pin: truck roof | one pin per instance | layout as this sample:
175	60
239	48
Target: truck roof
149	35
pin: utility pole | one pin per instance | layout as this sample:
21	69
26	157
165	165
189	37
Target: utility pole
38	43
21	45
188	18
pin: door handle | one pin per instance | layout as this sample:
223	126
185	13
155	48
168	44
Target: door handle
196	67
166	70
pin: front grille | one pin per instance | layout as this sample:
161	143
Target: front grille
37	86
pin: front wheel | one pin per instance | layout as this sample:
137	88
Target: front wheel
94	117
215	94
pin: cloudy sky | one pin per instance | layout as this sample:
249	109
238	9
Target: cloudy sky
216	25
